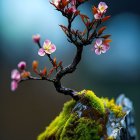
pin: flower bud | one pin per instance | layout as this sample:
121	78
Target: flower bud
22	65
35	65
36	38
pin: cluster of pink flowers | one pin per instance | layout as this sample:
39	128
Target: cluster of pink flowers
67	6
68	9
16	75
48	47
100	11
101	45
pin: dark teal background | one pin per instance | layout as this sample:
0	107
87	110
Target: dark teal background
25	113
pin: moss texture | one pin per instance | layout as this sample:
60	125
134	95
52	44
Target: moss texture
69	126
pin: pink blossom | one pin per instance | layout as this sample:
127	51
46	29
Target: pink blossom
100	47
73	2
56	2
15	75
14	85
22	65
102	7
71	10
36	38
101	10
48	48
41	52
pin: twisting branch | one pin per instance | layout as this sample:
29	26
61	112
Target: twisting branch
36	78
69	69
69	9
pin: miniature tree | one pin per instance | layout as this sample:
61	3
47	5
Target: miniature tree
86	116
69	9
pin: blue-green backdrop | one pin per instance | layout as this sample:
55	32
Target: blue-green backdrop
25	113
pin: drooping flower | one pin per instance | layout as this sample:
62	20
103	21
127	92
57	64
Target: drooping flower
14	85
36	38
15	75
48	48
22	65
100	46
100	11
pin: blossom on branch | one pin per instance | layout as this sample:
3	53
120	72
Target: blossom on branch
14	85
70	10
68	7
15	76
100	11
18	75
22	65
56	2
48	48
36	38
101	46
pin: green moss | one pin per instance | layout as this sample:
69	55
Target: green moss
81	129
94	101
55	128
68	126
116	109
110	138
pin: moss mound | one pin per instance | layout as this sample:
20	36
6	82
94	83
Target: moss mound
82	120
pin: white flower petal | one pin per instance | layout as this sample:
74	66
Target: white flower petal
41	52
97	16
95	46
15	75
97	51
102	7
103	50
99	42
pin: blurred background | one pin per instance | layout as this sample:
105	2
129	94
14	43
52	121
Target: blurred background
25	113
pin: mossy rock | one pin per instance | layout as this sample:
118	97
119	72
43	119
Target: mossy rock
82	120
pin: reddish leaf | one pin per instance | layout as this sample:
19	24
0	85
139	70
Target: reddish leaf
85	19
60	64
106	36
101	30
77	12
65	29
94	10
105	18
50	72
106	41
35	65
73	31
54	62
65	3
43	72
